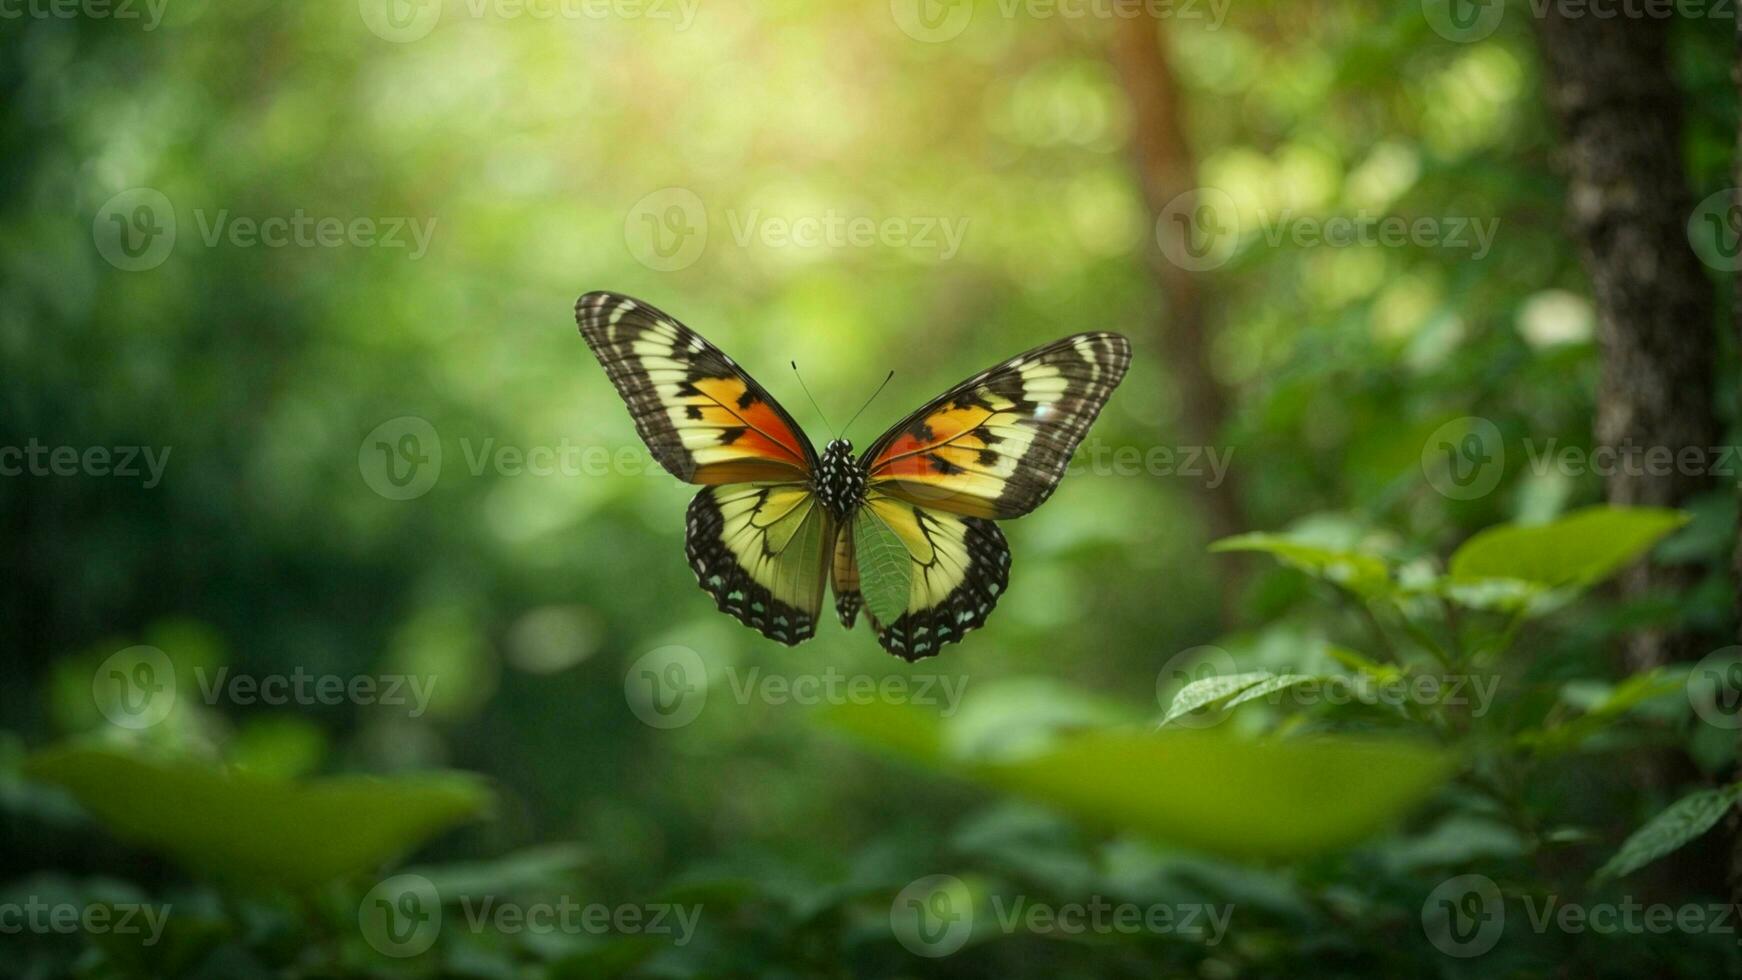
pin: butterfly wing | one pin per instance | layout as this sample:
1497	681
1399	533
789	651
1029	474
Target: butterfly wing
703	418
996	445
959	567
762	551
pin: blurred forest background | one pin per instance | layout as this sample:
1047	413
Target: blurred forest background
1023	171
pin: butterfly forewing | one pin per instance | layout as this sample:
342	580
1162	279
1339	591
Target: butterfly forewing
702	417
997	444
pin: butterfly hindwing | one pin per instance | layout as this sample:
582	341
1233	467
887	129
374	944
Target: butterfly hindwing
996	445
703	418
762	550
960	566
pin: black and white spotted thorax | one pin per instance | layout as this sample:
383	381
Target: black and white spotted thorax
840	482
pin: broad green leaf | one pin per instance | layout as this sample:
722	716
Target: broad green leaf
1208	790
885	567
1363	574
1684	820
1229	795
1580	549
242	824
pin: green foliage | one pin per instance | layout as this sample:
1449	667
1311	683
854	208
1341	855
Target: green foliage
1580	549
1207	791
250	826
1683	821
1363	574
1228	692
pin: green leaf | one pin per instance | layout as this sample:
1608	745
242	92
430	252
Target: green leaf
1580	549
1209	790
250	825
1270	685
885	567
1363	574
1231	691
1627	695
1684	820
1203	693
1229	795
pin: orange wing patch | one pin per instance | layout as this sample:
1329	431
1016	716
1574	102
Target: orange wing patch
997	444
703	418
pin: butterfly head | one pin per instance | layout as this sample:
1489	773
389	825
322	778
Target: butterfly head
839	482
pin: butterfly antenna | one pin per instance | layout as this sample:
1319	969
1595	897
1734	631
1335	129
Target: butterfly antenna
807	394
868	402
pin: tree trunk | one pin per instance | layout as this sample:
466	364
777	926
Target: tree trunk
1610	84
1166	170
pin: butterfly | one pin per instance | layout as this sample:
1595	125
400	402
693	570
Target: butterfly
775	522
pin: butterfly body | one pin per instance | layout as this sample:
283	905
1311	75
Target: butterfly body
840	481
913	518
